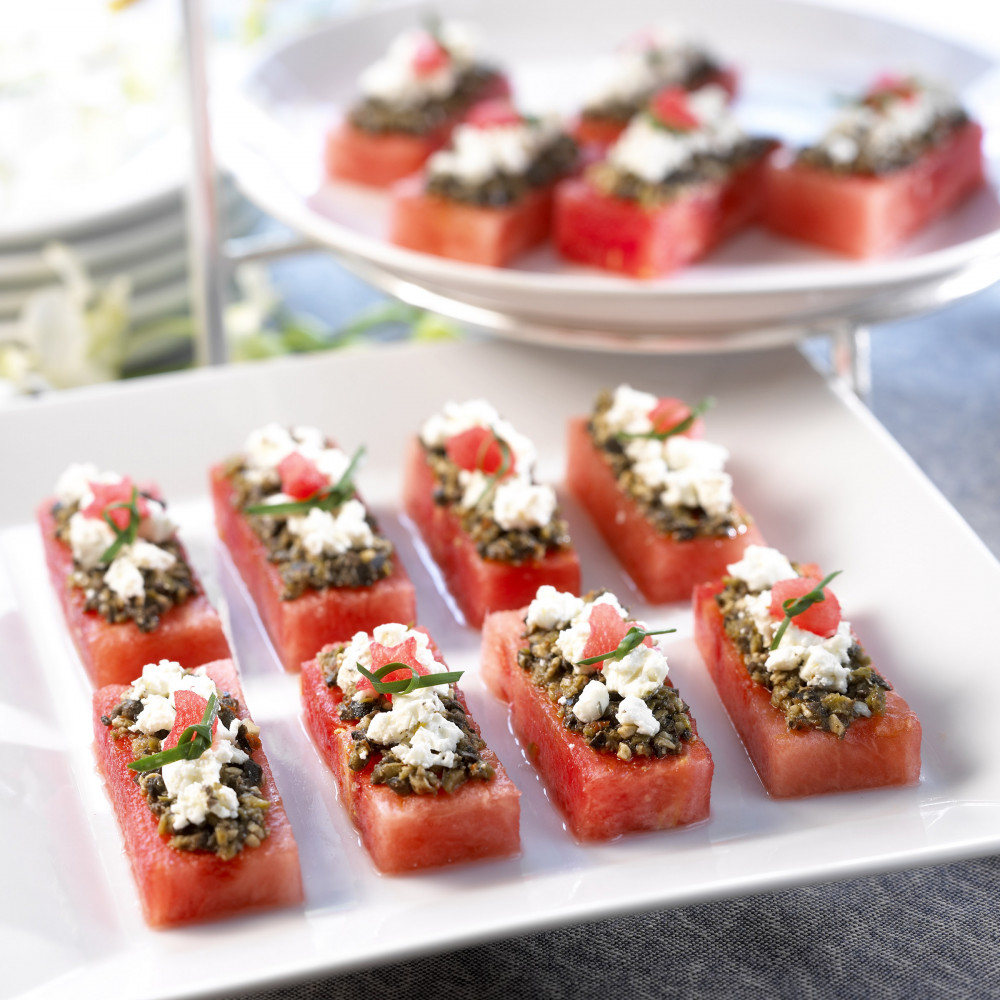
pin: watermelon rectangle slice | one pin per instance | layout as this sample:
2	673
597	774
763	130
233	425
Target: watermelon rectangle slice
863	215
600	795
874	752
663	568
183	887
478	585
114	653
476	234
299	628
617	234
478	821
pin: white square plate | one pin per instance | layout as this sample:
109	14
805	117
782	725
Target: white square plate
825	482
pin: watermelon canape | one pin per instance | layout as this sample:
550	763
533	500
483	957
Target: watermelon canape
205	832
891	163
657	492
488	197
612	738
649	61
309	553
127	590
496	535
682	178
812	712
411	100
416	777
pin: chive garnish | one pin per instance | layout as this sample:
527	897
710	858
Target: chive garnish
405	686
632	638
796	605
326	499
702	406
128	534
193	742
493	478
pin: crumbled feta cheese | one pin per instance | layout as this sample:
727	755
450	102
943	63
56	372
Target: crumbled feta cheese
883	129
519	503
476	154
456	418
552	608
73	486
146	555
357	651
474	484
629	411
432	744
651	152
156	526
761	567
168	676
331	462
124	579
89	538
634	711
683	452
266	446
394	78
196	790
322	532
408	711
639	673
592	703
822	669
157	714
820	662
712	491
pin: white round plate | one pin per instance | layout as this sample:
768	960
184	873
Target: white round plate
794	59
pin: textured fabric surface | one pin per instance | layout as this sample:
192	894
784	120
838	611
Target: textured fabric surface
929	932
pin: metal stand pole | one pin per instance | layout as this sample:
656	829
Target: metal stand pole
204	255
851	358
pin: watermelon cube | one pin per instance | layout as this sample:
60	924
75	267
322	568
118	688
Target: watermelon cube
114	653
881	750
182	887
600	794
477	234
478	585
477	821
664	568
618	234
863	215
302	626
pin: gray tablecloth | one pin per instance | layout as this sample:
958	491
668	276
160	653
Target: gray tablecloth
929	932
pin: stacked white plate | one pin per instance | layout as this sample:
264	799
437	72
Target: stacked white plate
142	237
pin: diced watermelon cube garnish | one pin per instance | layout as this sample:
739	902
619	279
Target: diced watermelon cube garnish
492	114
606	633
820	619
190	709
671	108
106	494
405	652
669	412
299	476
430	56
892	85
477	449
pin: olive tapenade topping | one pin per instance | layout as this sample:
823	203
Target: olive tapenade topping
701	168
378	116
682	523
223	836
555	675
509	545
803	706
405	779
557	160
164	588
300	570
